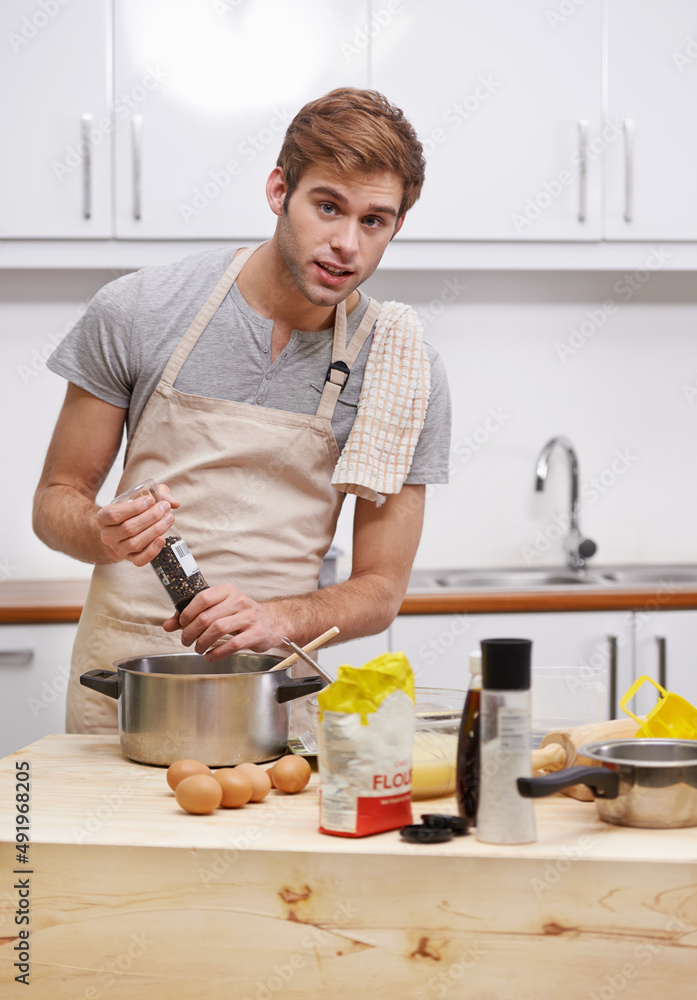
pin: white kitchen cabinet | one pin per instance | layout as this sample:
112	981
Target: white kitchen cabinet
651	158
497	94
671	637
438	646
34	667
208	90
55	119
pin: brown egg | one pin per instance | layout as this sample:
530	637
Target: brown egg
199	793
236	785
183	769
261	783
291	774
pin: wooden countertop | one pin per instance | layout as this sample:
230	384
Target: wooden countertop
40	602
74	778
129	896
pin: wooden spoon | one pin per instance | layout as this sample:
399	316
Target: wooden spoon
329	634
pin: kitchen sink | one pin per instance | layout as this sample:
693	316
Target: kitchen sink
676	575
542	578
510	578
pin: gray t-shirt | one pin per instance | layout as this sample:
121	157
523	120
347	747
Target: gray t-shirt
119	348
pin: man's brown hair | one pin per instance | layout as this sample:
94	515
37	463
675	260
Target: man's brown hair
355	131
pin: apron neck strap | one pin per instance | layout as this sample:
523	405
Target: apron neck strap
205	315
345	354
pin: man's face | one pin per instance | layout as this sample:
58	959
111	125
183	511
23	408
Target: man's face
335	230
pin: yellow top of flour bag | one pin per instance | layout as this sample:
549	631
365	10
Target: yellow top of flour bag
363	689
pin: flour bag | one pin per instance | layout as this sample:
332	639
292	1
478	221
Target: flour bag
365	743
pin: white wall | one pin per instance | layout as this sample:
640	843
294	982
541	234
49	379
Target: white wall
37	308
622	392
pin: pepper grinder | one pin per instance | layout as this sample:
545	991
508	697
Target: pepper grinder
174	565
503	816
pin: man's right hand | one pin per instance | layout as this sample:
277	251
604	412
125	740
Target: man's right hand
136	530
82	451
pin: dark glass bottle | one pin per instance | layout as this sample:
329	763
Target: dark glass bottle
467	767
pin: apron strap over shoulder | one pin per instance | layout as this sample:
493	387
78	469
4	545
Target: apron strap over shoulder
205	315
344	356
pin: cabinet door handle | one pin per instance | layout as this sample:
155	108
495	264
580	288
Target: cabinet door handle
85	123
612	675
628	169
662	660
137	131
16	657
582	168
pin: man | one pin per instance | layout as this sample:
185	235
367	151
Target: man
230	372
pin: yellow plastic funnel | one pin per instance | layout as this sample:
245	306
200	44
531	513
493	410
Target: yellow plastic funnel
672	716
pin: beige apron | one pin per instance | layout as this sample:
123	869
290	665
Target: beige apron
257	507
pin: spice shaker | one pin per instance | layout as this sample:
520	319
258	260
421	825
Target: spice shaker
174	564
467	768
503	816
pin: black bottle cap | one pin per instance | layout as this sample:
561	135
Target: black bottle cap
440	821
506	664
418	833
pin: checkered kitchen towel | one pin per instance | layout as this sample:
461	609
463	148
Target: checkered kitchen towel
391	408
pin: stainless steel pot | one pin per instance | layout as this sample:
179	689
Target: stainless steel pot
646	783
223	713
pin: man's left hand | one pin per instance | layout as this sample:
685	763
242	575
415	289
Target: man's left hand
226	611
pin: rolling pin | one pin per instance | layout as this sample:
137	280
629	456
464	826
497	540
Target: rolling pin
559	749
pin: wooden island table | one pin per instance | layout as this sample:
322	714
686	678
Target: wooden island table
128	896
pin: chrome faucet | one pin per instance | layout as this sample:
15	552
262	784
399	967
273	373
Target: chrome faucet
578	548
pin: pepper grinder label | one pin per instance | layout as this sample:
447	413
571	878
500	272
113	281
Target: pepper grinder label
184	558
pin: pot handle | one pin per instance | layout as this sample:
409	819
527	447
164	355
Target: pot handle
604	784
104	681
297	687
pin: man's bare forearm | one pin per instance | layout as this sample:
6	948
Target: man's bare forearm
66	520
362	605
